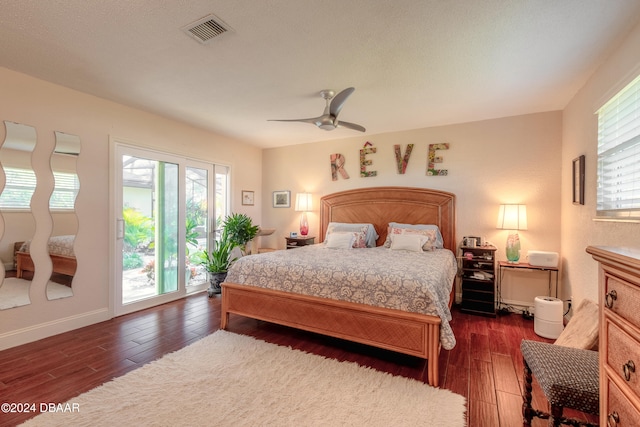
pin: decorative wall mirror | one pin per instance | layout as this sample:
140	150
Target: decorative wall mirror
65	221
15	207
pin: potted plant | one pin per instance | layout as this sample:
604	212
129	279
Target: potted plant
217	263
240	230
237	230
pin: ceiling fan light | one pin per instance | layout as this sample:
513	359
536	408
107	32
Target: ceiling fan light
327	126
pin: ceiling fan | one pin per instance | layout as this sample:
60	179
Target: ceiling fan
329	119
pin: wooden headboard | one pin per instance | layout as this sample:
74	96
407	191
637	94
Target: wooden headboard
382	205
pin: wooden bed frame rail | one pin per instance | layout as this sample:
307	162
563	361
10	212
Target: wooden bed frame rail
61	264
394	330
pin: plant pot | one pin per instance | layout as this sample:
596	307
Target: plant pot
214	283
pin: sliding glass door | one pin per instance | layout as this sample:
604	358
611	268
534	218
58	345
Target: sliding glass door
198	192
165	207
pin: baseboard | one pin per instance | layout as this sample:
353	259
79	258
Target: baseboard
55	327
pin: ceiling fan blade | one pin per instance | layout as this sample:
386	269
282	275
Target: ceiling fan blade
313	120
351	126
338	101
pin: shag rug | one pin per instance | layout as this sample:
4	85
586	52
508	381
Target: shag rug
14	292
228	379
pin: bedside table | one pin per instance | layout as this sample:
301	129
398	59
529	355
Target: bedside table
478	280
296	242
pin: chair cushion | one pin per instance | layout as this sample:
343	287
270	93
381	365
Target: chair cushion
568	376
582	329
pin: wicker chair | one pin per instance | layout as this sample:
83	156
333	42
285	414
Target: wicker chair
568	376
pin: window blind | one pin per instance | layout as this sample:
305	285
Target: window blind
65	191
618	193
18	189
20	184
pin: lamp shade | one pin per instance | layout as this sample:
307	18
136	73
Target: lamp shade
512	217
303	202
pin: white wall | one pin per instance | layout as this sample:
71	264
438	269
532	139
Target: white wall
508	160
49	108
580	137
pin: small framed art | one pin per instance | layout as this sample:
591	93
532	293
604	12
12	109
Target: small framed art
282	199
247	198
578	180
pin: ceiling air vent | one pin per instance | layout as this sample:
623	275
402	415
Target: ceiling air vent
203	30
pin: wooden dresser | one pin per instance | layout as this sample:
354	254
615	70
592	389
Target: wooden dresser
619	301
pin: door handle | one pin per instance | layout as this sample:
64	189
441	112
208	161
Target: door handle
119	228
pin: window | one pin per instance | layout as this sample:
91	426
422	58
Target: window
21	184
19	187
65	191
619	155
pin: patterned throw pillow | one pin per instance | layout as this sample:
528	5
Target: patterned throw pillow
430	236
360	240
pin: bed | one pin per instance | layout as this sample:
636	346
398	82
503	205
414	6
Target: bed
60	251
413	333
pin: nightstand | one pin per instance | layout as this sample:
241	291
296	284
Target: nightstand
296	242
478	280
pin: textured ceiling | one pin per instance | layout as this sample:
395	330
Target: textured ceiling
414	63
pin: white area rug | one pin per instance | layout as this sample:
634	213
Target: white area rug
14	292
227	379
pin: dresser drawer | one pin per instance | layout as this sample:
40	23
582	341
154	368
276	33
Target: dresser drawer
623	356
620	411
623	298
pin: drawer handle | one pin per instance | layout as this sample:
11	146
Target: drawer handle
610	298
628	368
613	419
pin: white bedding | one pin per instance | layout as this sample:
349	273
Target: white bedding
417	282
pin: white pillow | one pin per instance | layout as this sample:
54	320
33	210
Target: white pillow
340	240
408	242
371	233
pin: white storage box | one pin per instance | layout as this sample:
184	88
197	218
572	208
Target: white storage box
543	259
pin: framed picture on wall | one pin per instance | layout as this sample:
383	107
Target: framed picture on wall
282	199
578	180
247	198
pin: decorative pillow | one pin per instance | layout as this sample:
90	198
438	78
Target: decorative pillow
340	240
359	239
439	242
408	242
368	229
429	236
582	329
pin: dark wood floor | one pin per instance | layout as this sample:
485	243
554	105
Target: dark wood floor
485	366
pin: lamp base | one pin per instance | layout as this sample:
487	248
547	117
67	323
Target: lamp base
513	248
304	225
